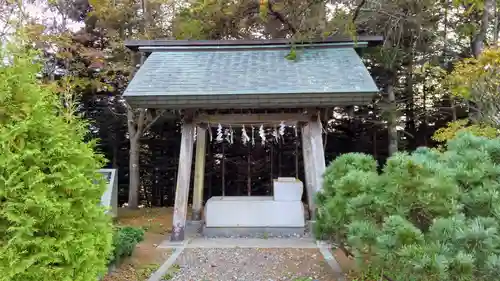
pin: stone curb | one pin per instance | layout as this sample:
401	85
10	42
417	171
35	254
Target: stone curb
330	259
157	276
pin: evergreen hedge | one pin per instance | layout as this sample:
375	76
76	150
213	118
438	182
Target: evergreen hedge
52	227
429	215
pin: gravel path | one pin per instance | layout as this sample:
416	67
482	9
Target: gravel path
251	264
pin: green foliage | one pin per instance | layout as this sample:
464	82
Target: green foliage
429	215
52	226
292	55
145	272
477	80
263	9
452	129
124	241
171	273
212	19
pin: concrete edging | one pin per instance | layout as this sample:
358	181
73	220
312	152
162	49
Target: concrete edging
158	275
330	259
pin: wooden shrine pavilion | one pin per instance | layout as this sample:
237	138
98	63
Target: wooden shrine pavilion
248	82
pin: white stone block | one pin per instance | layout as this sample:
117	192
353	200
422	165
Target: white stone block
287	189
286	179
110	197
253	211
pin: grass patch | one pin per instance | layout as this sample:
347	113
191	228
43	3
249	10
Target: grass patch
171	272
146	272
146	256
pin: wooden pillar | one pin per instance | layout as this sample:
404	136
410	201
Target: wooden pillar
314	160
308	166
318	153
183	181
199	172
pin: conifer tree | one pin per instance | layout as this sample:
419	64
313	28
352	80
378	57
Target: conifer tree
429	215
52	226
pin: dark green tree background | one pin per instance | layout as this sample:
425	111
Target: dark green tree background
423	40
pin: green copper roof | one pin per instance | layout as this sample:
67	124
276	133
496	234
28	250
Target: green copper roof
250	78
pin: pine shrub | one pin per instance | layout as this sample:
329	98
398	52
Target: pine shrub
429	215
52	227
124	241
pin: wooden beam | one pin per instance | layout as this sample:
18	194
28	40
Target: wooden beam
183	181
251	119
199	172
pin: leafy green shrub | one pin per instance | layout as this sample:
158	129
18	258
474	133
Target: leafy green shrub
454	128
124	241
52	226
429	215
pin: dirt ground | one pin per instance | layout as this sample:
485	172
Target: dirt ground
146	257
348	264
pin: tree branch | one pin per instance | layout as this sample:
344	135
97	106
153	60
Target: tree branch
140	121
281	18
154	120
357	10
117	114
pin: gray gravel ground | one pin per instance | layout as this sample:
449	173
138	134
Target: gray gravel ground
250	264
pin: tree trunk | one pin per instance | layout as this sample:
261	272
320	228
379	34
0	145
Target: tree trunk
271	156
296	153
279	159
477	44
423	127
223	164
410	105
134	175
146	20
115	156
136	127
495	27
392	124
249	170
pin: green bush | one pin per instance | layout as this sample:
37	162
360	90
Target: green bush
429	215
124	241
454	128
52	226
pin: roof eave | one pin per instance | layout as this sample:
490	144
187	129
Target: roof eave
134	45
250	101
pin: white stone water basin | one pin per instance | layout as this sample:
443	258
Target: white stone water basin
253	211
287	189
